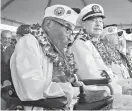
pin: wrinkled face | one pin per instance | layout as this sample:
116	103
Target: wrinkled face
6	38
93	26
61	32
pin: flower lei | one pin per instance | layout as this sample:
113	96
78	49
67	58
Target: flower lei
108	53
70	68
129	62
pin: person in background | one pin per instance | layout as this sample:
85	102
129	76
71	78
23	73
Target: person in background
40	63
129	51
6	36
115	39
21	31
9	50
122	71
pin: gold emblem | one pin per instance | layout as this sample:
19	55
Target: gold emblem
96	8
59	11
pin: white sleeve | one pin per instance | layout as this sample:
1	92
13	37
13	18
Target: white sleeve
85	60
32	78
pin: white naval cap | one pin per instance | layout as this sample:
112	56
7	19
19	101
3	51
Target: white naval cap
91	10
111	29
61	12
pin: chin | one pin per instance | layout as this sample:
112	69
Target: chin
98	33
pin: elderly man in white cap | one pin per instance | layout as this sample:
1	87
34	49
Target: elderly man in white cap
115	39
42	66
91	21
90	52
92	55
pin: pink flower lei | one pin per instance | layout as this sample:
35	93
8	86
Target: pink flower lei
70	68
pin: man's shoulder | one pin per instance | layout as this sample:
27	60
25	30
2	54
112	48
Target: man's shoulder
28	38
82	42
83	37
27	41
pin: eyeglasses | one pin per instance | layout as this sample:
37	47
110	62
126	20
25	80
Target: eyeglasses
67	26
6	39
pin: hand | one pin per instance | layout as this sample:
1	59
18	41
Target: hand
75	82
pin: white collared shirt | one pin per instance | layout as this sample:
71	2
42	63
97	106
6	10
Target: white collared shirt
89	61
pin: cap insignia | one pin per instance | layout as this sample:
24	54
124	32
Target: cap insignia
96	8
59	11
110	29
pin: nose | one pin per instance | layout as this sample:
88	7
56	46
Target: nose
98	23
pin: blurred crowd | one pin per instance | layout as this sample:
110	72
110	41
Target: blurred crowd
8	42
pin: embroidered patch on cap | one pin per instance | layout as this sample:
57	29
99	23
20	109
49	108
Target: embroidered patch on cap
59	11
96	8
110	29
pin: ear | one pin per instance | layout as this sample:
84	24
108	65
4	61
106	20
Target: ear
46	25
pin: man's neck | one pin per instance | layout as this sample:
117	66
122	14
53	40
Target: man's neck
94	38
60	47
57	46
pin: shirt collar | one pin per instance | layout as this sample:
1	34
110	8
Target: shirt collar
88	37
